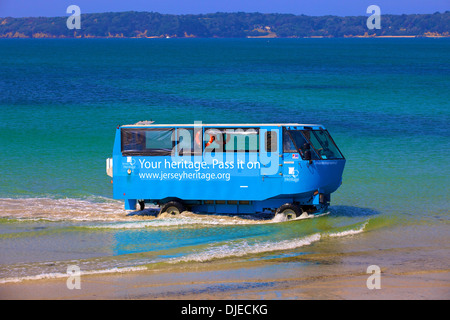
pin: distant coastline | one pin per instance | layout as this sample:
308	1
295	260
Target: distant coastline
226	25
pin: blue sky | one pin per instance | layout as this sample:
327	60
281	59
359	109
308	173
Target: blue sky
33	8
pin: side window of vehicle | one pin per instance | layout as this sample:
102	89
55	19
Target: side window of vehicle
271	141
189	141
213	140
151	142
288	144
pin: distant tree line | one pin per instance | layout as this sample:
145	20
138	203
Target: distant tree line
224	25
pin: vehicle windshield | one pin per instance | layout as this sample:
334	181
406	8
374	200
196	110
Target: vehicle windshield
317	143
323	144
301	145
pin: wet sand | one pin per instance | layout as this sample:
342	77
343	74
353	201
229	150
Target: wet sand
431	284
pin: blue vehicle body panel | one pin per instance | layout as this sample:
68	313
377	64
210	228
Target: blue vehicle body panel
238	182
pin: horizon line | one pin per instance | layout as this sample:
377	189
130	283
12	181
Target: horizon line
254	12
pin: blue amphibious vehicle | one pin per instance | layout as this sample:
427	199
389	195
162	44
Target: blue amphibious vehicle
289	169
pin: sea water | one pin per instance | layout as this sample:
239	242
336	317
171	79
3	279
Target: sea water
385	102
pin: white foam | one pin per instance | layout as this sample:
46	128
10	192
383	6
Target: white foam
243	248
96	208
65	275
281	218
104	210
348	232
185	219
86	209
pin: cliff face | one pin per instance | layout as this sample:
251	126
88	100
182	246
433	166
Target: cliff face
223	25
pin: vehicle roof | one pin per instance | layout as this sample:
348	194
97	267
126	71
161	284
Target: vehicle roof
226	125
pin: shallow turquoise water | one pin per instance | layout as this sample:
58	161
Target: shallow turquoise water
385	101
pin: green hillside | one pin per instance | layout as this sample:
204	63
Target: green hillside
223	25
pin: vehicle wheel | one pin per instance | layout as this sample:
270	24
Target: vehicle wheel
288	211
141	204
171	208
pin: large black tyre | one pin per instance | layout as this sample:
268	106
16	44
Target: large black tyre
171	208
288	211
141	205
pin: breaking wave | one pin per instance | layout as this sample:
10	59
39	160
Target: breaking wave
239	249
58	275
